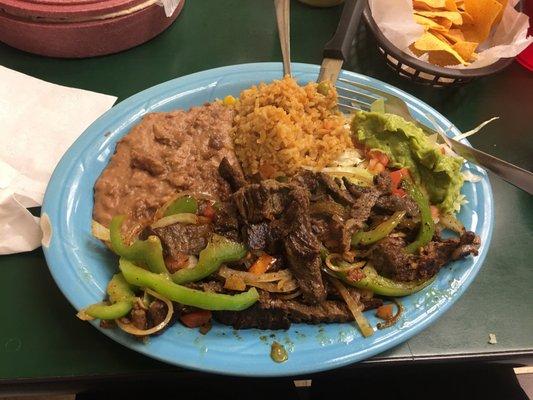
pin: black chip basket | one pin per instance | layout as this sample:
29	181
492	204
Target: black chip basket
422	72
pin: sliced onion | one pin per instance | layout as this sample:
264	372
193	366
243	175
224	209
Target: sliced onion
284	280
100	232
141	302
359	173
475	130
355	308
290	296
288	286
348	158
249	277
470	177
394	318
449	221
347	266
234	282
129	328
183	218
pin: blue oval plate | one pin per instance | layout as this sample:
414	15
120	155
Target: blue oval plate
82	266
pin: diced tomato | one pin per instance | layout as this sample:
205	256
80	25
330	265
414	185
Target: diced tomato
396	177
379	156
196	318
384	312
262	264
209	211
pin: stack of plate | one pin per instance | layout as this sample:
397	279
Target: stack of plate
81	28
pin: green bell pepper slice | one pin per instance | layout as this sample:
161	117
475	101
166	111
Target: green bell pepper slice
108	311
379	232
383	286
185	204
147	252
121	297
119	290
427	226
218	251
196	298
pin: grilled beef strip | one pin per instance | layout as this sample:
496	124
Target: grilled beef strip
365	199
276	217
302	250
390	259
265	201
383	182
306	179
179	239
334	189
271	312
226	221
254	317
232	174
390	203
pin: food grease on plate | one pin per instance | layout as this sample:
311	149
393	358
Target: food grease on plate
278	353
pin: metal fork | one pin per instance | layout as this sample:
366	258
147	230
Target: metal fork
358	96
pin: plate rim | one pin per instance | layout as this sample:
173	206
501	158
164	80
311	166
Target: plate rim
350	357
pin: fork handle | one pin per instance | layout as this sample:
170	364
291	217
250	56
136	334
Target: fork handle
284	30
340	44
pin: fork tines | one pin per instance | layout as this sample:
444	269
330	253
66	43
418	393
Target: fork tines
357	97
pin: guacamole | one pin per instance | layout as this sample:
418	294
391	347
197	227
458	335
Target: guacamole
408	146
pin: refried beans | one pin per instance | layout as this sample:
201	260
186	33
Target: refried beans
163	155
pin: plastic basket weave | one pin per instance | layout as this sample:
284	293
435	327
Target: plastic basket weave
422	72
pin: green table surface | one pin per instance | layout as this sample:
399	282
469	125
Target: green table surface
40	337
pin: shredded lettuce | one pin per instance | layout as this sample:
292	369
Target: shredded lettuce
350	158
378	106
468	176
475	130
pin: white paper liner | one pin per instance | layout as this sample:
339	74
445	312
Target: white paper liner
169	6
395	20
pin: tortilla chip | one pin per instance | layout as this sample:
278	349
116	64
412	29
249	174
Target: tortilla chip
429	4
453	16
415	51
429	42
444	22
429	23
454	35
467	18
442	58
440	36
466	50
484	14
445	59
418	6
450	5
